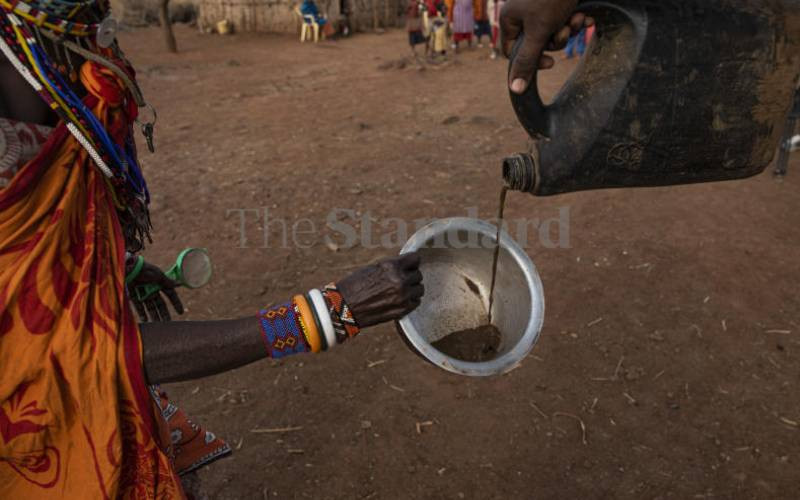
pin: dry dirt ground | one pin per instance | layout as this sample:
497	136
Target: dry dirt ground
672	332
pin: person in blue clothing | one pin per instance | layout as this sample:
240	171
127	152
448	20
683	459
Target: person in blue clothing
309	8
576	43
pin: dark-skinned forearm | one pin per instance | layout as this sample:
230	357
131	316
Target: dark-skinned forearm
175	351
312	322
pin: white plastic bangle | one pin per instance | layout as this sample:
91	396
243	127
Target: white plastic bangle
324	316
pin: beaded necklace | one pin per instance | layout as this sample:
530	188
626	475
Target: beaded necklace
20	25
61	8
50	20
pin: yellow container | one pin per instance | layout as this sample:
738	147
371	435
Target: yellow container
224	27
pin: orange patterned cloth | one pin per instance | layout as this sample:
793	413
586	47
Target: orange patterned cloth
76	416
480	10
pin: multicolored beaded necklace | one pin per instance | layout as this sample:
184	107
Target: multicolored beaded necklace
20	28
40	15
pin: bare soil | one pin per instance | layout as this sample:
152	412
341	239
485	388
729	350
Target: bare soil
668	364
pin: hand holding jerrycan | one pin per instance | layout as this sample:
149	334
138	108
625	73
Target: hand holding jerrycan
669	92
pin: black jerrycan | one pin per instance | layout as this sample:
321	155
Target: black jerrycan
668	92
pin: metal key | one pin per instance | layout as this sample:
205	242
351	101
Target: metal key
147	131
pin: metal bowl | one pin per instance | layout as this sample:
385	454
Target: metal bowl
457	273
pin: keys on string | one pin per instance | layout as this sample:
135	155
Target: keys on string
147	131
148	128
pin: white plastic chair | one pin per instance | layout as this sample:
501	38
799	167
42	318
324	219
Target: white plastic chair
309	26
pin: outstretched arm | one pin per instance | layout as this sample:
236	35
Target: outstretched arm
184	350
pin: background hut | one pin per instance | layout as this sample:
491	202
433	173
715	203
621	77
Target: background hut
272	16
277	16
145	12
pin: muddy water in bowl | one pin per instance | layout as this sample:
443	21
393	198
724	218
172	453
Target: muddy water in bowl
474	344
449	329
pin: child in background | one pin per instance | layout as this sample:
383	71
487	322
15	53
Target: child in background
432	7
437	26
494	7
414	26
482	25
463	21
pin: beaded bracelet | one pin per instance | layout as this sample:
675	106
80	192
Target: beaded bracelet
282	331
313	322
344	324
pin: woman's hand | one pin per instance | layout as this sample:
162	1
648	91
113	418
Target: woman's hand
544	25
154	306
384	291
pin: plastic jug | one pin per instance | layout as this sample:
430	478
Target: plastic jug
669	92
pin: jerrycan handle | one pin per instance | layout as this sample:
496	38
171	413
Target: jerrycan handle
602	74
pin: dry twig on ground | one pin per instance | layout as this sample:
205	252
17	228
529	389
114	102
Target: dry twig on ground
420	425
580	421
276	430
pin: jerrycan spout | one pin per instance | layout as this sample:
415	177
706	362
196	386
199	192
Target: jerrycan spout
519	172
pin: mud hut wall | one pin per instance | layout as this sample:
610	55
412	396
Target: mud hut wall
274	16
248	15
365	13
138	13
277	15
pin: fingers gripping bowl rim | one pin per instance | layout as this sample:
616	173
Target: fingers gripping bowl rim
457	279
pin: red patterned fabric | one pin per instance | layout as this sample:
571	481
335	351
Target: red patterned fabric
19	143
76	417
190	446
187	444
